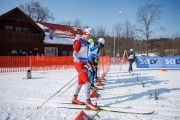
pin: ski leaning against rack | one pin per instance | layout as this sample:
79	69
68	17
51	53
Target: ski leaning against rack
106	110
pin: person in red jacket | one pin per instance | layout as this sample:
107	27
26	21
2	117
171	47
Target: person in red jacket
82	65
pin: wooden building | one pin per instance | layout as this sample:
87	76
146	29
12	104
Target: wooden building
19	34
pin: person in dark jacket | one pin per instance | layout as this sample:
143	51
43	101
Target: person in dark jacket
131	58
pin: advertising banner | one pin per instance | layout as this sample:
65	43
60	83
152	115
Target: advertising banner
158	62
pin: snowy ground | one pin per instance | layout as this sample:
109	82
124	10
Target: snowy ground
20	97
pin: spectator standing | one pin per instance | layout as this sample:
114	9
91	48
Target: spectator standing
131	58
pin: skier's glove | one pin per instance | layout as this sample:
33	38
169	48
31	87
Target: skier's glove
88	67
96	60
100	45
81	63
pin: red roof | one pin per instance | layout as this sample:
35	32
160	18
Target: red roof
63	30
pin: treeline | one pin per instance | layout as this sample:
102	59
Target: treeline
161	46
165	46
124	36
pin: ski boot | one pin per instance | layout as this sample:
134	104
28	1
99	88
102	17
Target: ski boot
76	101
89	105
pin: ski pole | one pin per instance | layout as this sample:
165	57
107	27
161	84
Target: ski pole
59	90
67	89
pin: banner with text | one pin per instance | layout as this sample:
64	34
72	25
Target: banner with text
158	62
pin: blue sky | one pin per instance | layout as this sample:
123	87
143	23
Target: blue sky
103	13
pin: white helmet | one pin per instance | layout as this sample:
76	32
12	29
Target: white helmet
131	50
88	31
101	40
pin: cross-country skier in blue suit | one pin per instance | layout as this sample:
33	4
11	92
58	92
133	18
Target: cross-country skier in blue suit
93	56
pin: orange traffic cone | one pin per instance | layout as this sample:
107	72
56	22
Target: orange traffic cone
82	116
104	74
164	70
94	94
102	78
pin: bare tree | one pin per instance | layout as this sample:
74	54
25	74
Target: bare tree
100	31
176	45
118	30
37	12
130	36
146	16
68	23
117	38
77	23
129	30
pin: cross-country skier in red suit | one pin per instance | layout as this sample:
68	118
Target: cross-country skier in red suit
80	55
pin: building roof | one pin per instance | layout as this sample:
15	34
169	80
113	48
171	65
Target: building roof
62	30
54	33
54	39
16	15
59	34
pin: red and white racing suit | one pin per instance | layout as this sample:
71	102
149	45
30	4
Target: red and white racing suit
80	54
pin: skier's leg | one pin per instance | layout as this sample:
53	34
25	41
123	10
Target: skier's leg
131	66
88	85
93	77
90	75
75	100
95	72
78	88
88	101
82	78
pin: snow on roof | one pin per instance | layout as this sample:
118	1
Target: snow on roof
59	34
58	40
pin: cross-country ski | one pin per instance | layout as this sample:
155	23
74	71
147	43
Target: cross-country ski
102	106
108	110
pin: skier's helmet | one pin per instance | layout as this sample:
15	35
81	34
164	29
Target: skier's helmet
88	31
131	50
101	40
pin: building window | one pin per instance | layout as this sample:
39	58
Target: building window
18	29
13	52
70	53
50	51
25	29
8	28
46	30
64	53
18	53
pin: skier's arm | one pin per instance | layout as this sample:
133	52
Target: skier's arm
76	59
76	48
93	47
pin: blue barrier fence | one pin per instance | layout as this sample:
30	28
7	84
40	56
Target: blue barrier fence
158	62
